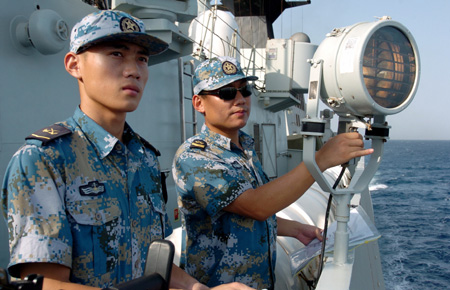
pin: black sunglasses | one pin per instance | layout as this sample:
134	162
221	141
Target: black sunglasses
229	93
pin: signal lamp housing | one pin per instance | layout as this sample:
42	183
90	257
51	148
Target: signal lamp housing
369	69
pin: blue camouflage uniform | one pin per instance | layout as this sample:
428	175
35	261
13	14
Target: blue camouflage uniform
84	200
210	172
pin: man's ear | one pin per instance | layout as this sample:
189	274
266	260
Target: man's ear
72	64
197	103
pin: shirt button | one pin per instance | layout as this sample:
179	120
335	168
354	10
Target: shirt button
137	264
118	146
98	216
135	223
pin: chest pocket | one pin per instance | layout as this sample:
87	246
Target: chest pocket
157	202
97	223
157	215
244	170
95	212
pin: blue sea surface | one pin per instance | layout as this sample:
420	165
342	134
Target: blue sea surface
411	200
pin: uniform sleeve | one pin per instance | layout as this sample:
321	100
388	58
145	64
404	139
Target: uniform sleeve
209	181
32	198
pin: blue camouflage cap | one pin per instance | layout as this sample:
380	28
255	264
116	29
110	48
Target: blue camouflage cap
217	72
113	25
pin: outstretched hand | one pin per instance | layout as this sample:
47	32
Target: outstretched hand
307	233
340	149
303	232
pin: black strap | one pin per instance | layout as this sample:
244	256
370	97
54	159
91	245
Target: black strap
163	185
377	132
313	127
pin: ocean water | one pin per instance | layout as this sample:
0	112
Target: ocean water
411	200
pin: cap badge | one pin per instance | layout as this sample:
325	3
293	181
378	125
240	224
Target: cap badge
128	25
229	68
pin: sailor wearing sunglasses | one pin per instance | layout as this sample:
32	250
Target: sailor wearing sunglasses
227	202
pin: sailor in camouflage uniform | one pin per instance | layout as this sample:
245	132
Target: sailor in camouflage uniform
84	197
79	197
227	203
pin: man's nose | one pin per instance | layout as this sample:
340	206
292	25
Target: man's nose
132	70
239	98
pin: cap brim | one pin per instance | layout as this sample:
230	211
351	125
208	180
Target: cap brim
232	80
153	45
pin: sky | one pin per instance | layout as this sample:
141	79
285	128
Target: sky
428	115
